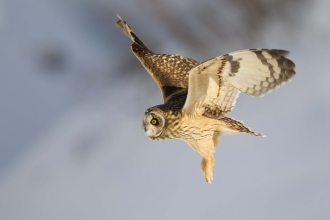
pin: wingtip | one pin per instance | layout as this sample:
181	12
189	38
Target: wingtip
284	52
119	17
261	135
258	134
118	23
124	27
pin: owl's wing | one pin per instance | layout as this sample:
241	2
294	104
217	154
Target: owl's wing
215	84
169	71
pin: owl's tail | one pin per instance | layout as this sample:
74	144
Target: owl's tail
130	33
238	126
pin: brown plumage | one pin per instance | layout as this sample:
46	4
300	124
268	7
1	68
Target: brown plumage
198	95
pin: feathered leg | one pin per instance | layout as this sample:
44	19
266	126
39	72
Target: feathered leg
206	147
207	167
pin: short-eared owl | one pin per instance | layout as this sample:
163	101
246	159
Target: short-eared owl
197	96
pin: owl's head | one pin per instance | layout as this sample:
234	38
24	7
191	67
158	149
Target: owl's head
154	123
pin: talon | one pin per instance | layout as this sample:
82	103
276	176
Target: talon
209	181
206	167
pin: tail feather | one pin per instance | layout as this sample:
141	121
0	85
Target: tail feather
233	124
257	134
129	32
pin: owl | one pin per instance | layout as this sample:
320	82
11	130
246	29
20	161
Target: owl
197	96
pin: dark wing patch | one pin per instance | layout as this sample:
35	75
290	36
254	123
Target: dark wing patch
169	71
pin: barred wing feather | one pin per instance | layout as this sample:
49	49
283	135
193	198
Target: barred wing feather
215	84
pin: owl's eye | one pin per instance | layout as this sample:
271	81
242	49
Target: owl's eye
154	121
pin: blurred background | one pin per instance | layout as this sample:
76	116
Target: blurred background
72	99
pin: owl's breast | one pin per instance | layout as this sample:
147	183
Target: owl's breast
198	128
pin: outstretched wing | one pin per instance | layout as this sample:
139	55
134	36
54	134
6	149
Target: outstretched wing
169	71
215	84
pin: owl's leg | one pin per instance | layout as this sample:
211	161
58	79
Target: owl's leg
207	167
206	148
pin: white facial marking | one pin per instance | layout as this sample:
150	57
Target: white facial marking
153	131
